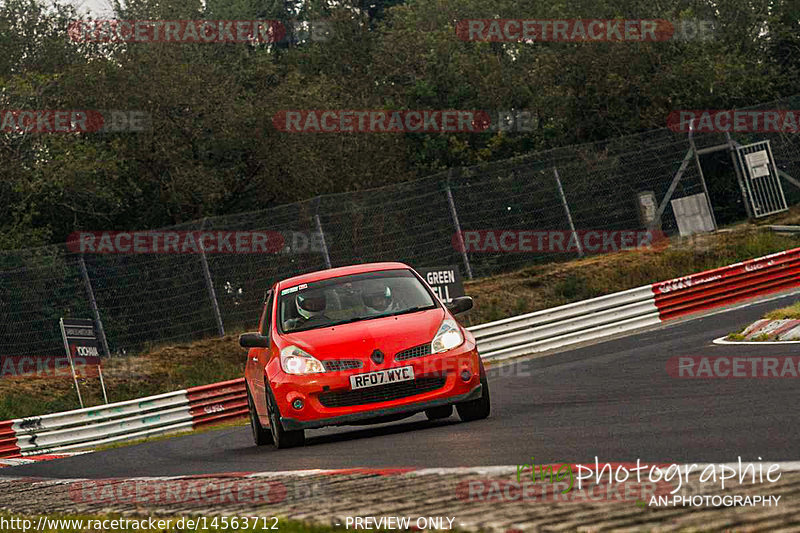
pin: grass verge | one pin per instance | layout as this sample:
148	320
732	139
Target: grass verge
787	313
544	286
163	369
170	368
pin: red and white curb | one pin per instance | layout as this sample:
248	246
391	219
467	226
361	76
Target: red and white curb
724	341
784	331
35	459
488	499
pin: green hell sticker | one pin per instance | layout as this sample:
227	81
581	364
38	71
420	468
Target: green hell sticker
290	290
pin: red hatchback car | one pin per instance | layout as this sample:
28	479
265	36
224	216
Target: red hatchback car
359	345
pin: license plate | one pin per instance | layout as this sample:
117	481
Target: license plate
382	377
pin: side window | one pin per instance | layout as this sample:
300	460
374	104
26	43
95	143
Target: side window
266	316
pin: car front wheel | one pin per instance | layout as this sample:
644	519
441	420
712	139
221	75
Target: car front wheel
476	409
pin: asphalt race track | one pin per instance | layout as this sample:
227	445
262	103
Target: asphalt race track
613	400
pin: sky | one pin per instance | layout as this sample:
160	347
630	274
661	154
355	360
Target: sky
97	8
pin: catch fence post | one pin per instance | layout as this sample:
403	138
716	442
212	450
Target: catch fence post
87	283
71	363
457	224
212	294
739	178
700	173
318	223
569	214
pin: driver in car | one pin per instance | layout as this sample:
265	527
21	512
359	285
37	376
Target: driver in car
311	307
377	298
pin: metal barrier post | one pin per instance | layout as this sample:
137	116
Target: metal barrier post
87	283
457	224
318	224
212	294
739	179
102	383
71	364
569	214
700	172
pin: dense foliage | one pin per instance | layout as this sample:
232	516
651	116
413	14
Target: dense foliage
212	148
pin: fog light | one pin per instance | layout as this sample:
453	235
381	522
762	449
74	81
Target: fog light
466	375
297	404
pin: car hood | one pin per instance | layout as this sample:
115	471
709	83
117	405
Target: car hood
358	340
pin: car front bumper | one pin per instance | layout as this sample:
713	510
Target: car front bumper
449	367
290	424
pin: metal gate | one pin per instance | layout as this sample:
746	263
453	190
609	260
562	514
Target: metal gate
761	179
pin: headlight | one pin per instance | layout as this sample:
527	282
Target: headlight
296	361
448	337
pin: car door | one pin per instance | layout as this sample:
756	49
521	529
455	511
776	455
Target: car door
257	359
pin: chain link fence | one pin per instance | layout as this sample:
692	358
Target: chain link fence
146	299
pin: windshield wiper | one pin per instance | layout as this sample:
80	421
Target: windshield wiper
412	310
350	320
403	312
332	324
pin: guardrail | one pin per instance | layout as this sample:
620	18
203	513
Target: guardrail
727	285
133	419
636	309
566	325
545	330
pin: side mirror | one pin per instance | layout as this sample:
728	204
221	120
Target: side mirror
253	340
460	305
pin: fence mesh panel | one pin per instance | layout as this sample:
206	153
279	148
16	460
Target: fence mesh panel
146	299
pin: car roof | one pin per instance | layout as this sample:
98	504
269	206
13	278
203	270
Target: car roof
339	271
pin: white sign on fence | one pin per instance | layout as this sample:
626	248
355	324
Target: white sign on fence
692	214
758	163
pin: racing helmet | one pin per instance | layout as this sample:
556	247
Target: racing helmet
311	304
377	296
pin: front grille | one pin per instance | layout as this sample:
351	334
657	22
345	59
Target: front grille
337	365
381	393
410	353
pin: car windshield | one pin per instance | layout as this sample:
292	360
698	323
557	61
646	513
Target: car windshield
352	298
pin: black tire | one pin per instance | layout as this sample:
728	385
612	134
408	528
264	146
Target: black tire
438	413
280	437
261	436
476	409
